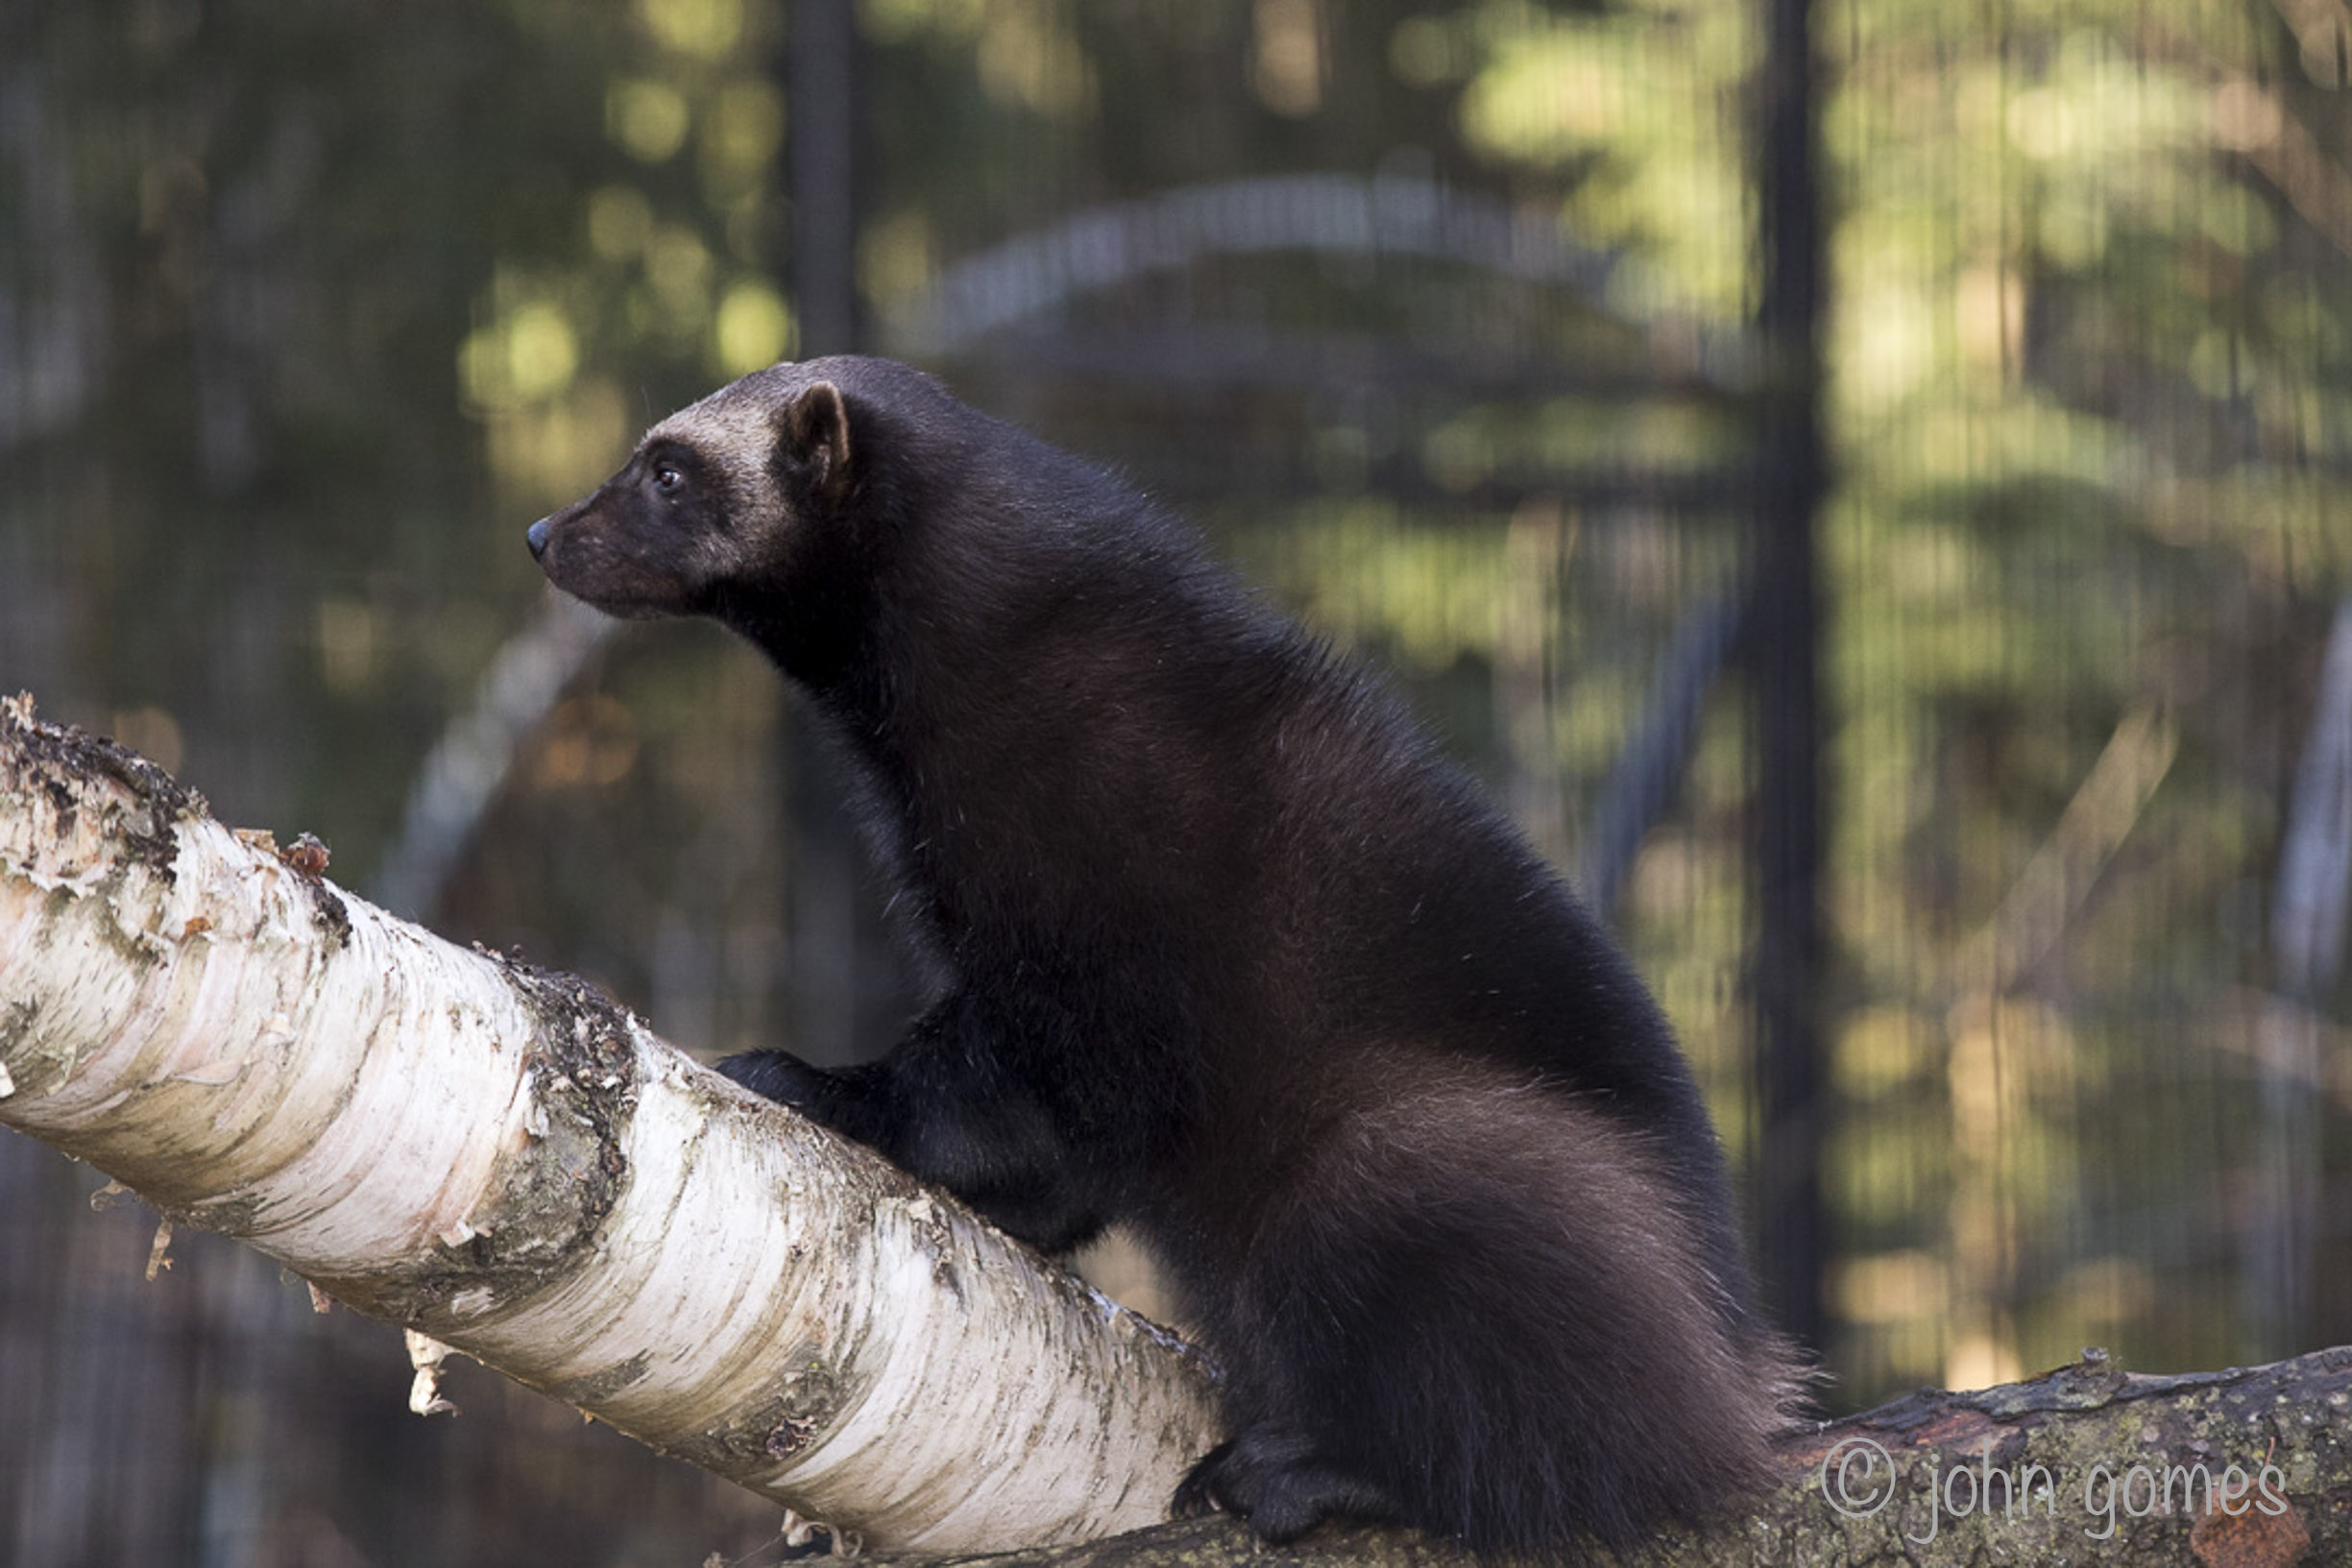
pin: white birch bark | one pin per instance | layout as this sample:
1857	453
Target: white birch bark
504	1159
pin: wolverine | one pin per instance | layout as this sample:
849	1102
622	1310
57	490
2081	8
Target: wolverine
1223	949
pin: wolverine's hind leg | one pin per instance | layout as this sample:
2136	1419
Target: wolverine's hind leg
1273	1475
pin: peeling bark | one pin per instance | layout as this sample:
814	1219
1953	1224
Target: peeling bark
503	1160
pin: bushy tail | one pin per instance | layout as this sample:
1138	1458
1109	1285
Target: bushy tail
1506	1328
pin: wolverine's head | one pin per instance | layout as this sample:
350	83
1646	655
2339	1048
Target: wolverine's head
716	495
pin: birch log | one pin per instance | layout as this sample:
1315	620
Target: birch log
504	1159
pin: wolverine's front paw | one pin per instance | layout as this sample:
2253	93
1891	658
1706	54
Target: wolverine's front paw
786	1080
1272	1476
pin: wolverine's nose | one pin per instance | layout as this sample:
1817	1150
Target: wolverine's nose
537	538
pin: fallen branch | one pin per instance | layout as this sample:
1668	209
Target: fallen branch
501	1159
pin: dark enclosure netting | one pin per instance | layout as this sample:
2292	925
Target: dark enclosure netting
1978	799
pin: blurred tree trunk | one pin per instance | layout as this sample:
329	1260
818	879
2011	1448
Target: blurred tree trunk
506	1160
1783	633
849	996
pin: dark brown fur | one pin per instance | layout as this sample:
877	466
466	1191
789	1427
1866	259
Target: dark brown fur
1226	951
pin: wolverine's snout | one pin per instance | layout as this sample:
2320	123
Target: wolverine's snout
537	538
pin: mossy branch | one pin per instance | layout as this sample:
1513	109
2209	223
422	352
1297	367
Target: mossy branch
2244	1468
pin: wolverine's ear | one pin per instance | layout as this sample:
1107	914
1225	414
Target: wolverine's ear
813	438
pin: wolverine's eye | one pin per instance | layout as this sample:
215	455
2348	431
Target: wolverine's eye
668	480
